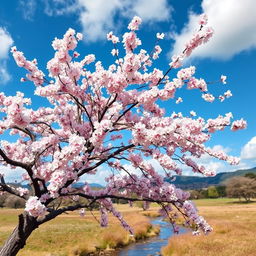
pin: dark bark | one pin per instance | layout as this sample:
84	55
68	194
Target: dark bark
20	234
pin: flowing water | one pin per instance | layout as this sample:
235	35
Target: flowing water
151	246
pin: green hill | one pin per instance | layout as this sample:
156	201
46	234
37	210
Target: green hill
198	182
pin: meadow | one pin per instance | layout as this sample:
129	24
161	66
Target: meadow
234	232
70	234
234	229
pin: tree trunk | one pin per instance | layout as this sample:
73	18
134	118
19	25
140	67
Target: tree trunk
20	234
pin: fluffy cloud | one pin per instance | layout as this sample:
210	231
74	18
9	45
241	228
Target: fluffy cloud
28	8
60	7
6	42
249	149
234	25
150	10
97	17
11	175
4	74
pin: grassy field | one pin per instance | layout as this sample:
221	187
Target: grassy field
70	235
234	231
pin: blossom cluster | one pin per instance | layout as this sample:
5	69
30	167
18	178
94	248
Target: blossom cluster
108	118
34	207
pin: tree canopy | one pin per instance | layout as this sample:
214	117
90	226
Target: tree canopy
108	118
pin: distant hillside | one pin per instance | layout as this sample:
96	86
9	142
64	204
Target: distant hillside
184	182
92	185
76	185
195	182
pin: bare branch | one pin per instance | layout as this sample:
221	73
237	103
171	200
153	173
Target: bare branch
27	131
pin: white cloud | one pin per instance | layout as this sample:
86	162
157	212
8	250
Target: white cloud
97	17
28	8
152	10
249	149
103	171
60	7
234	25
11	175
6	42
4	74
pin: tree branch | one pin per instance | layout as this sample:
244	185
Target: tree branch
55	213
27	167
83	171
13	162
9	189
128	109
27	131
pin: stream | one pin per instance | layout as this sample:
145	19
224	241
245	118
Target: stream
153	245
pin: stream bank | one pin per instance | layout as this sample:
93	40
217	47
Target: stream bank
153	245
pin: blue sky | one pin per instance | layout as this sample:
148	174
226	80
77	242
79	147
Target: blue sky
31	25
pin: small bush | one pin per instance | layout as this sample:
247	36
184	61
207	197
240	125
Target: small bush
14	202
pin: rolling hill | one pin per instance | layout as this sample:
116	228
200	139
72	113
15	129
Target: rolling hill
196	182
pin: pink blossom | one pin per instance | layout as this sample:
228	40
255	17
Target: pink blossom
202	36
203	19
186	73
194	83
34	207
221	98
134	24
208	97
131	41
179	100
160	36
110	120
79	36
157	51
112	37
114	52
22	191
238	125
192	113
176	61
103	217
228	94
223	79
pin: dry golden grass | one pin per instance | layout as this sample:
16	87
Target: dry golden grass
233	235
70	235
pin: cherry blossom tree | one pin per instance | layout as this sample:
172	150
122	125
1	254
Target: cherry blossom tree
106	118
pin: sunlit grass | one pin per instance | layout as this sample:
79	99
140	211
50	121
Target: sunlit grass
234	232
218	201
70	235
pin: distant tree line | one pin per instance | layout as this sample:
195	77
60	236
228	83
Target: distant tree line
242	187
11	201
